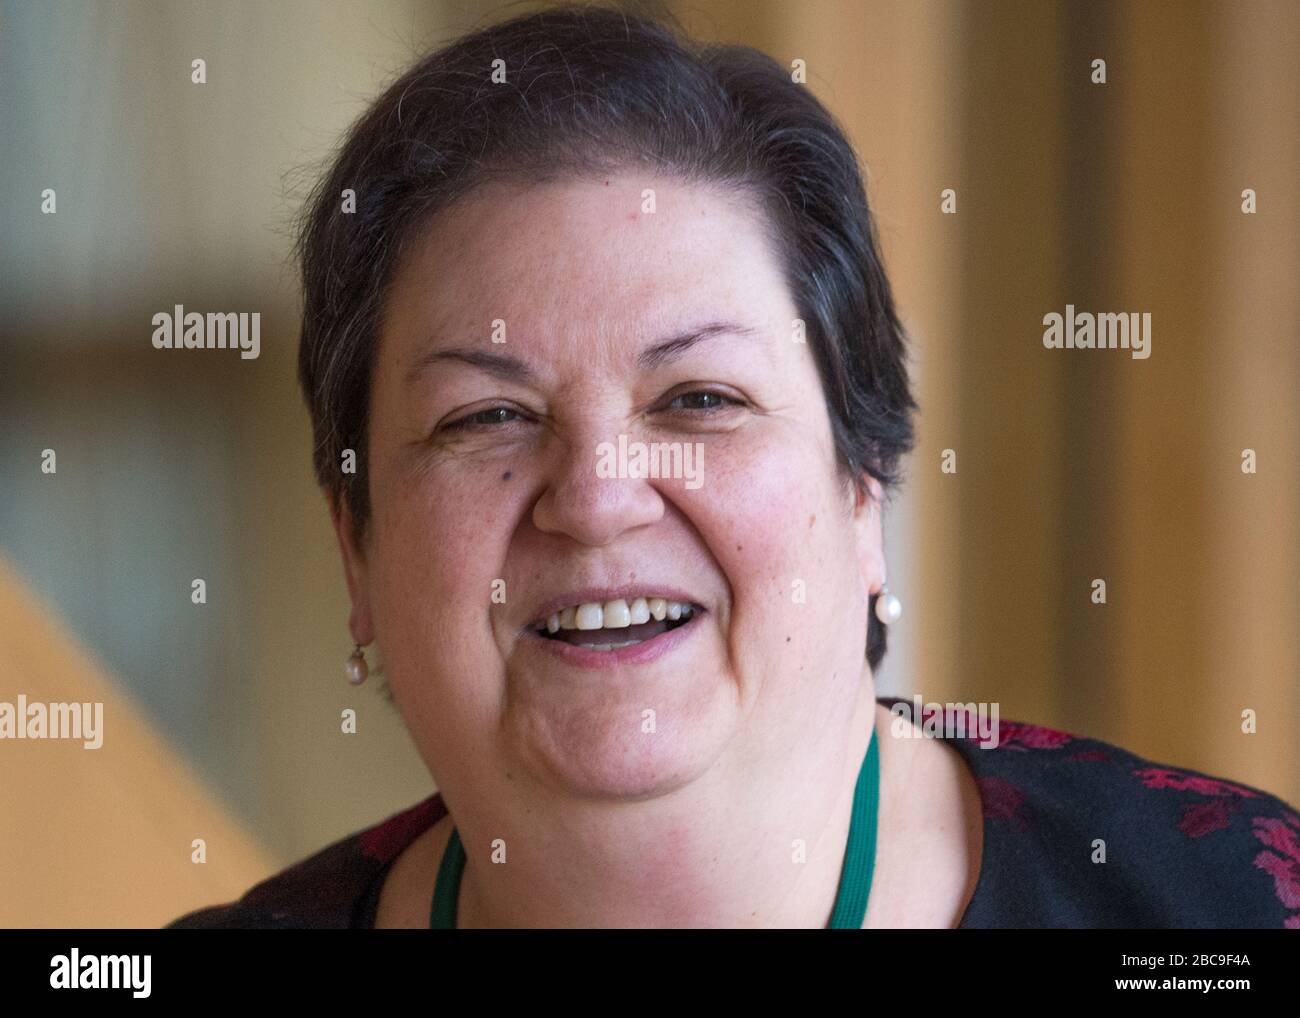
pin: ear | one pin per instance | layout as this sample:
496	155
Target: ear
354	566
869	534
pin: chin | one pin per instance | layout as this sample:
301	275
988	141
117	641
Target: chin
607	751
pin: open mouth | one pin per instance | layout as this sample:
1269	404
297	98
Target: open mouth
615	624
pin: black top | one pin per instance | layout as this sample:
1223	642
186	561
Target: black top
1077	833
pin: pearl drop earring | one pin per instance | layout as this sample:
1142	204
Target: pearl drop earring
888	607
356	667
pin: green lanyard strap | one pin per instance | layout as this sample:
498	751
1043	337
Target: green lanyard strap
860	855
447	891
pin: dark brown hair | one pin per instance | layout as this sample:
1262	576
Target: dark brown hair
591	89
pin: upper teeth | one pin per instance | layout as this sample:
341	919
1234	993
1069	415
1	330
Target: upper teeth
617	614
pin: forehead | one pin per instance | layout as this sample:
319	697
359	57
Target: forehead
620	254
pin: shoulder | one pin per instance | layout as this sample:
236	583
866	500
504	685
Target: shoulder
1080	832
324	890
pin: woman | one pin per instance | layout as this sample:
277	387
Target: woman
607	389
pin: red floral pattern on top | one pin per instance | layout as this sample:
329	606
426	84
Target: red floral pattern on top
1015	735
1003	801
1282	863
1020	736
1202	818
1167	777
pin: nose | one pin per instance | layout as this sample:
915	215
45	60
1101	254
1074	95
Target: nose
590	508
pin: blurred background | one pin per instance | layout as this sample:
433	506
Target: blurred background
1071	465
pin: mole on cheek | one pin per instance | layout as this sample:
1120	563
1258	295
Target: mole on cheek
811	520
506	476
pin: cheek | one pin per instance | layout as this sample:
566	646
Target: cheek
784	546
769	510
439	544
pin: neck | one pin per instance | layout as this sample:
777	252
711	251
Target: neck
759	841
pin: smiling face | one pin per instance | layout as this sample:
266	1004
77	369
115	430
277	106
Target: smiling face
526	327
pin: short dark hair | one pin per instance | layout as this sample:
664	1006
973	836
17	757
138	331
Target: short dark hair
592	89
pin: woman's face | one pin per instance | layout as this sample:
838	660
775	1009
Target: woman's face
525	328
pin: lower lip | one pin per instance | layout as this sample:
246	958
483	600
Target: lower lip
638	654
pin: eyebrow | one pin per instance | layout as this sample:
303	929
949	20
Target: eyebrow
512	369
503	366
670	349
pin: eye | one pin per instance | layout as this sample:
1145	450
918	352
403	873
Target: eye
490	418
704	401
